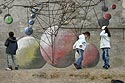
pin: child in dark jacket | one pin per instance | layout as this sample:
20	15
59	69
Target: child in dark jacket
11	47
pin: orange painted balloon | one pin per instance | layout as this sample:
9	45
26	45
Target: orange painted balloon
91	56
56	47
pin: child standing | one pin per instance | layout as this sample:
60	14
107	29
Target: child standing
105	46
11	47
80	46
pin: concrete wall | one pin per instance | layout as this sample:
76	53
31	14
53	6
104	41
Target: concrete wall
116	26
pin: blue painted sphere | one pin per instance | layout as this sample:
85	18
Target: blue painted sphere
31	22
28	30
33	15
34	10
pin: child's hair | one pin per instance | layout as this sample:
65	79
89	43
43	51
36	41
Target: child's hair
87	33
11	34
107	31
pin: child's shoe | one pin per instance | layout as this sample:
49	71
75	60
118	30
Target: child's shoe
8	69
16	68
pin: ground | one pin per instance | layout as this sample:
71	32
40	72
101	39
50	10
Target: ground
49	74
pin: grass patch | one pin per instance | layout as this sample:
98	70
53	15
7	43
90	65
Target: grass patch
80	75
41	75
51	75
54	75
106	76
93	77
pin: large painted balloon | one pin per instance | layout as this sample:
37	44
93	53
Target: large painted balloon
91	56
56	46
28	53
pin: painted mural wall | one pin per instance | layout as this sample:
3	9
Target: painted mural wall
87	17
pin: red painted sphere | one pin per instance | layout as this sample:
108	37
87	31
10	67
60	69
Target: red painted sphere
113	6
107	16
91	56
57	48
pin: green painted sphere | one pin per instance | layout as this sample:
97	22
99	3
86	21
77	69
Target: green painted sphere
8	19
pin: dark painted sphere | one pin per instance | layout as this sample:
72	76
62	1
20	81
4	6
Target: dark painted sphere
1	11
103	22
104	8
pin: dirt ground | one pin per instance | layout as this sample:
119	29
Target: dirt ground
49	74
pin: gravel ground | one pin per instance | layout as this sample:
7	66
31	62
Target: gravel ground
50	74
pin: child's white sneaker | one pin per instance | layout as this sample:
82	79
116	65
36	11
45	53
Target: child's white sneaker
8	69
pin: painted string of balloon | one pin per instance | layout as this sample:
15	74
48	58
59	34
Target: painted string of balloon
42	40
32	6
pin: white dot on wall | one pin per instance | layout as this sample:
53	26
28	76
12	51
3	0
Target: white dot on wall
123	13
123	4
